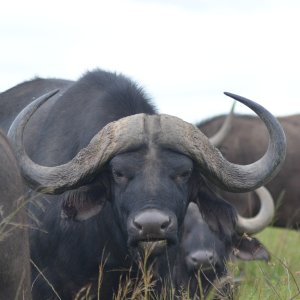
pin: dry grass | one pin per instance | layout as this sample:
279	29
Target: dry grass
7	225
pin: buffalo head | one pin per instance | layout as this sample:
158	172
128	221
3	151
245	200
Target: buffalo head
149	167
203	255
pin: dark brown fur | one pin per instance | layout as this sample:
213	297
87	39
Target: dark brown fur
14	246
246	142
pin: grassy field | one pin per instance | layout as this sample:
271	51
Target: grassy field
278	279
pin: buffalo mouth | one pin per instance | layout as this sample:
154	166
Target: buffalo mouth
203	268
152	245
206	268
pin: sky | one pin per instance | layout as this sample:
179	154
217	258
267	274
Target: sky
185	53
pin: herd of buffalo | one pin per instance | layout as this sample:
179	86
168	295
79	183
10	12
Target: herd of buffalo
92	175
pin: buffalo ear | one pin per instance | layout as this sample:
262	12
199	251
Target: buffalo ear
249	248
81	212
83	203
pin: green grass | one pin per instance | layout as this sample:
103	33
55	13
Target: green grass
278	279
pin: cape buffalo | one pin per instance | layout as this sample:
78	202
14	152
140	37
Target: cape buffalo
201	263
98	153
14	246
242	148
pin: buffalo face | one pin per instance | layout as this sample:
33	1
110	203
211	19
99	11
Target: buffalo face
203	255
202	249
150	191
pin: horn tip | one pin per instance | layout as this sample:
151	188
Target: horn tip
52	93
231	95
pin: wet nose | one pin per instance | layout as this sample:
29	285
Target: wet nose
200	258
152	223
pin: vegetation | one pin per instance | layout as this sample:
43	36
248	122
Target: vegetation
278	279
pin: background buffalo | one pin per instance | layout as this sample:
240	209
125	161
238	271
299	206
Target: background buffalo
203	256
14	245
242	148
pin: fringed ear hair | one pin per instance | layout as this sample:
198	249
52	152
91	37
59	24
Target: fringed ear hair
83	203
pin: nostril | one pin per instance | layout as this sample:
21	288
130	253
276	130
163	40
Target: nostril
138	225
194	260
165	224
211	258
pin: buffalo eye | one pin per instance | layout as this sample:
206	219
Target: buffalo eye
120	176
184	175
117	173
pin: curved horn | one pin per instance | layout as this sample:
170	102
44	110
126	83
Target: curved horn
166	131
111	139
222	133
231	177
264	216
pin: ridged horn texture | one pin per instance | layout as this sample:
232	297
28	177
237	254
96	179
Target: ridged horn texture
222	133
166	131
264	216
